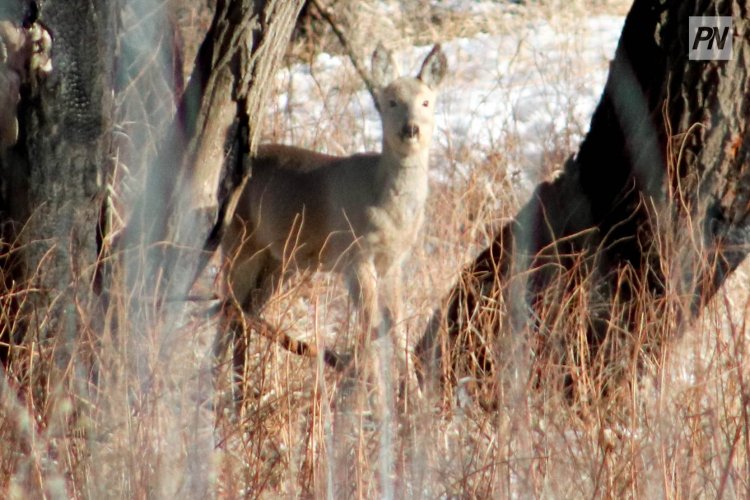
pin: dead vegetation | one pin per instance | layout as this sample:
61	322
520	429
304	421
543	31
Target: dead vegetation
97	421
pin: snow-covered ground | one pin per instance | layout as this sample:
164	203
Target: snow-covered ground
540	80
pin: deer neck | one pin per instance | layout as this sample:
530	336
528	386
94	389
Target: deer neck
394	165
404	176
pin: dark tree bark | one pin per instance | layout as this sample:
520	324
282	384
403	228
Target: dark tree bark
651	215
205	153
53	175
105	99
177	222
53	178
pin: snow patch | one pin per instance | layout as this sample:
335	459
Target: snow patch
519	91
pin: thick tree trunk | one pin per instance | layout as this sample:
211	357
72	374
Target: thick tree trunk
53	175
53	185
205	154
53	178
648	218
176	224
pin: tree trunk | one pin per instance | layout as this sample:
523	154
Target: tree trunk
177	221
193	147
53	178
205	154
53	175
646	221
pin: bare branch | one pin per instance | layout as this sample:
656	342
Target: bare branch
347	46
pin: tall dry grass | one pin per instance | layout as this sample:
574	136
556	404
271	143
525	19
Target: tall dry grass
134	413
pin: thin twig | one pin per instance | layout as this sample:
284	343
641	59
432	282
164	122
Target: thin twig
347	46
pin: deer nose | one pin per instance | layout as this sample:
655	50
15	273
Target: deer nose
410	131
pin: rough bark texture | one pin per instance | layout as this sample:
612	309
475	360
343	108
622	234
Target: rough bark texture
653	206
176	224
204	155
54	172
113	99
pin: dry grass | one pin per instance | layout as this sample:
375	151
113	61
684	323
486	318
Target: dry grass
129	410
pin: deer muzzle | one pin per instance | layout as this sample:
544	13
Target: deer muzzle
410	131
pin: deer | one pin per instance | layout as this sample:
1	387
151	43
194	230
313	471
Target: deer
358	215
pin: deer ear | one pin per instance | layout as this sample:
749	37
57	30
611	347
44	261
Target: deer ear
434	67
384	67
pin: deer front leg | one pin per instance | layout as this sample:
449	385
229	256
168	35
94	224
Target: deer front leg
362	284
380	305
392	298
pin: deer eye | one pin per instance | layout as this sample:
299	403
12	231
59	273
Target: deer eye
426	103
392	103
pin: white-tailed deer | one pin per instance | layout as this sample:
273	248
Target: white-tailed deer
357	215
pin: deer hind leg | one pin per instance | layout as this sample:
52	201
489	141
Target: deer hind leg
248	288
252	284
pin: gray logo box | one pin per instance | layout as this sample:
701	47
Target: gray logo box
710	38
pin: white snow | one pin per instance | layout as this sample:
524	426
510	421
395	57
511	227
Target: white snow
520	91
